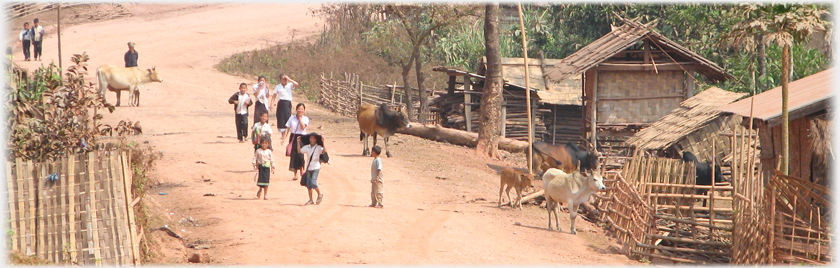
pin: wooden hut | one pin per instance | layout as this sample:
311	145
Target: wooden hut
809	103
631	77
694	126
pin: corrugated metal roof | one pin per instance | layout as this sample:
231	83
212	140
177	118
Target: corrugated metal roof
618	40
693	114
813	92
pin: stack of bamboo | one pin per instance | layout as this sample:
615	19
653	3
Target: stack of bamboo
451	109
565	123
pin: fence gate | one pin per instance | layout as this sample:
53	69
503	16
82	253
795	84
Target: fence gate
77	210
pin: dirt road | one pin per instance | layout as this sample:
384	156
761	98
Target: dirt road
440	199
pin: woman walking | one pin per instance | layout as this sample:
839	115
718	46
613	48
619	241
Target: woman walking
283	92
296	126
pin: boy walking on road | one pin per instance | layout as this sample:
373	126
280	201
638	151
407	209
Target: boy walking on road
377	190
241	101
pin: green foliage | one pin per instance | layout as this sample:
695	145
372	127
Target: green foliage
48	118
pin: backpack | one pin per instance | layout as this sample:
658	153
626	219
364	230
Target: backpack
256	137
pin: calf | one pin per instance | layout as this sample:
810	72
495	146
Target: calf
703	172
571	188
516	179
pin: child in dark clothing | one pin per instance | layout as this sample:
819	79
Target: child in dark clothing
264	162
241	101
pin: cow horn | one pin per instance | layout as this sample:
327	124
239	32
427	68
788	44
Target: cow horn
153	68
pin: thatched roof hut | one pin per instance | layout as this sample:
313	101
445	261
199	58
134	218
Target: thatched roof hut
694	126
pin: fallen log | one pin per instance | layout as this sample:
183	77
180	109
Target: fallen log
458	137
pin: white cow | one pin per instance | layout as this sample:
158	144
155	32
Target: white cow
117	79
572	189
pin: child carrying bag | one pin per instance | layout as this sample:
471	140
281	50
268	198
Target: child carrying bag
304	179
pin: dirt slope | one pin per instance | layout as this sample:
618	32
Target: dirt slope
440	199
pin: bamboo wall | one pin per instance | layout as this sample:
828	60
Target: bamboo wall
83	217
342	96
637	96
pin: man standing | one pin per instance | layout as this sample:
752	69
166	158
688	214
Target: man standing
130	56
37	38
25	36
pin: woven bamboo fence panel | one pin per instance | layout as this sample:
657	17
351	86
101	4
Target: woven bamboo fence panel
638	96
342	96
670	225
76	210
801	232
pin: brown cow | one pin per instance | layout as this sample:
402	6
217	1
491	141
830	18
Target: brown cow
516	179
117	79
567	157
381	121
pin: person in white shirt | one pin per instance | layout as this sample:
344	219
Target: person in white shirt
283	92
264	163
25	37
262	94
261	131
241	101
296	127
310	179
37	38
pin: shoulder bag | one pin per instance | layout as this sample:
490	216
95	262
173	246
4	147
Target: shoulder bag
304	179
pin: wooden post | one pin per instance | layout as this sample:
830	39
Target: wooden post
554	126
393	92
467	110
594	110
527	87
504	118
689	85
125	168
450	87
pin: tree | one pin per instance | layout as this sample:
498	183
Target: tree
419	23
491	98
783	25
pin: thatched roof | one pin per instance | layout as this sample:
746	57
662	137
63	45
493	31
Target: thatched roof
566	92
692	115
622	38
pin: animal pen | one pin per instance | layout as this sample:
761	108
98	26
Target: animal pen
77	210
650	207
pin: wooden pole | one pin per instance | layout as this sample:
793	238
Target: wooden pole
594	110
58	15
527	87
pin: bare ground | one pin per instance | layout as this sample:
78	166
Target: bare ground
440	199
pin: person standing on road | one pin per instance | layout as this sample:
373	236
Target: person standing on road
264	163
262	131
310	179
241	101
262	94
25	37
37	38
130	56
377	189
296	125
283	91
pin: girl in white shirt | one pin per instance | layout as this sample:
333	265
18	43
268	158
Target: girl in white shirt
296	127
313	150
283	92
261	131
262	94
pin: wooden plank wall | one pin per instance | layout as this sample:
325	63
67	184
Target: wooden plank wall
83	217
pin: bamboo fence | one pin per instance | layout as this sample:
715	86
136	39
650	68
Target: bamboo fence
77	210
344	96
801	231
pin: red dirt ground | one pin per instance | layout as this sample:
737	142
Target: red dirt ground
440	199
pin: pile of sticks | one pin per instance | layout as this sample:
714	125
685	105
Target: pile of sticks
451	109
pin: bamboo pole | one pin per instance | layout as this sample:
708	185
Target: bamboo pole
125	159
64	208
22	206
13	219
93	225
527	88
110	198
71	199
31	200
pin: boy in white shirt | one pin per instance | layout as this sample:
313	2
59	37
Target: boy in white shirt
241	101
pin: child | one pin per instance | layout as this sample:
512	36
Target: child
261	130
314	149
241	101
377	190
263	161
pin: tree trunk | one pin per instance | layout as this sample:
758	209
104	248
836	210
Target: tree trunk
762	64
459	137
785	124
421	88
409	103
491	99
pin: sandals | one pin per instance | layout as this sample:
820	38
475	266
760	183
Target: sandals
320	197
309	203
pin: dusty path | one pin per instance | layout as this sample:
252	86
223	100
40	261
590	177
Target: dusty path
440	199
